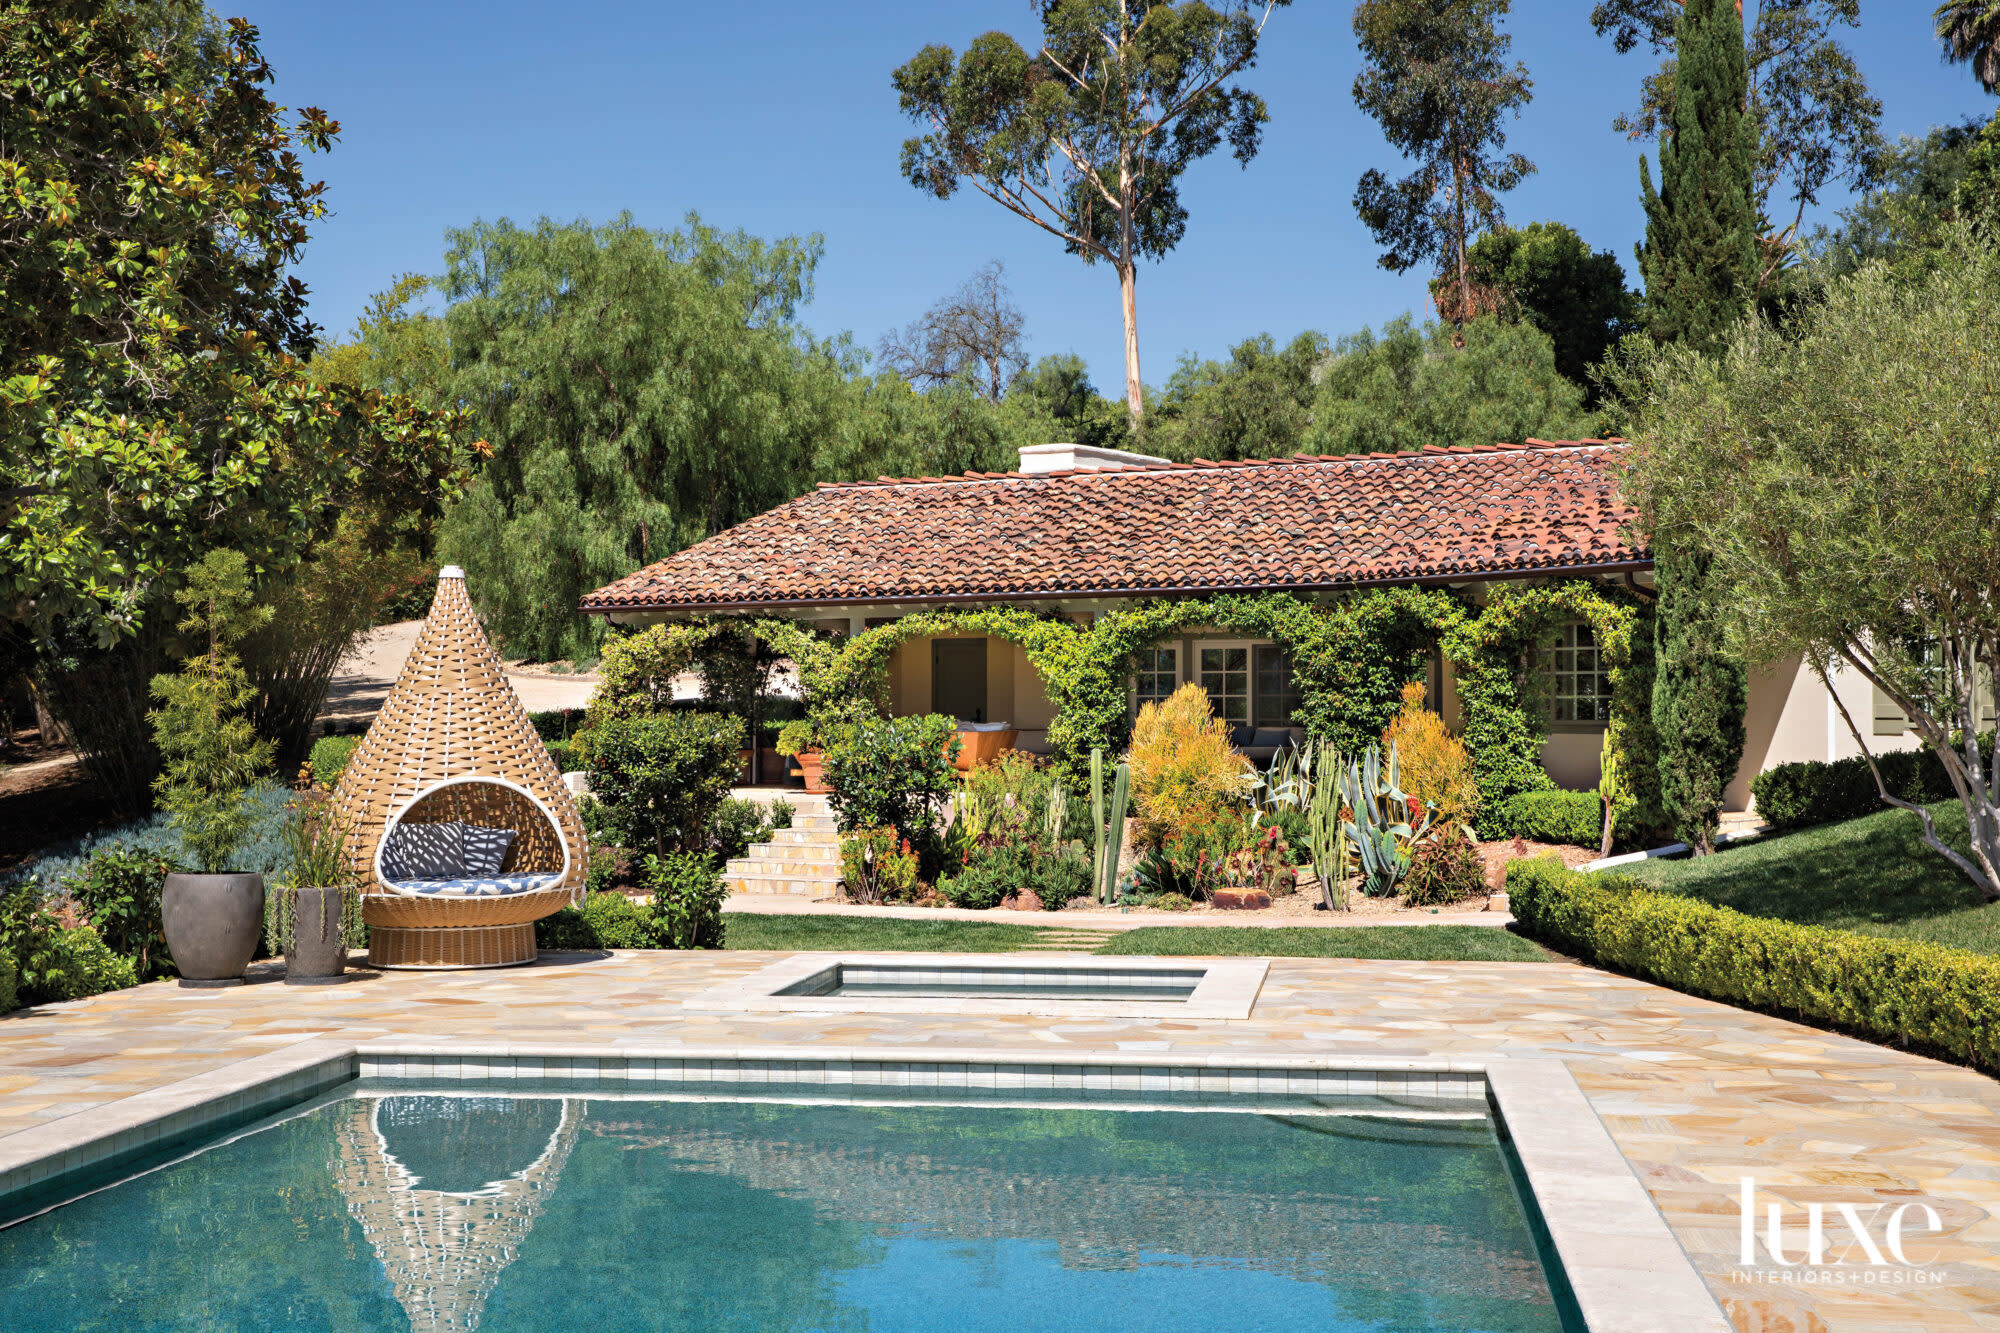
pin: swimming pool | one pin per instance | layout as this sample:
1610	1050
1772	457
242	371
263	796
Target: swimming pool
393	1206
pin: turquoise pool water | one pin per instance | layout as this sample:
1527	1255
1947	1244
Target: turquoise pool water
393	1211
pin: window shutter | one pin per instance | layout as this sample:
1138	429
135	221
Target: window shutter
1889	717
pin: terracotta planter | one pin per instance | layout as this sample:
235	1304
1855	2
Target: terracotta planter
811	765
212	923
318	952
1241	900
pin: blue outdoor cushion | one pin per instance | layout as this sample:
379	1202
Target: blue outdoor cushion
486	848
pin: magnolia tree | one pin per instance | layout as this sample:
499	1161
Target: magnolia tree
1845	476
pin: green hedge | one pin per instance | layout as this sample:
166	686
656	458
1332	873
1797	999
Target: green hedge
1816	792
1946	1001
564	754
9	997
329	758
604	921
1573	817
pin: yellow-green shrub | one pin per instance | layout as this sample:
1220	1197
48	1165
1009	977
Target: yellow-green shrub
1938	999
1431	763
1185	775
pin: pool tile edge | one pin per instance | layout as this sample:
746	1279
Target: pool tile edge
31	1157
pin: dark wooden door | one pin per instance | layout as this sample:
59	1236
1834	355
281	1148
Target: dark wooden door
958	678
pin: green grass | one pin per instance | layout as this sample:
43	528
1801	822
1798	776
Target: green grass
746	931
1871	875
894	934
1479	944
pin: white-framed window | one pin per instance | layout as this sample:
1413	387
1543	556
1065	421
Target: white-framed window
1274	694
1223	671
1157	674
1579	680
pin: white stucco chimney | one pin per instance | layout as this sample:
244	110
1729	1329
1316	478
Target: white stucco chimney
1065	457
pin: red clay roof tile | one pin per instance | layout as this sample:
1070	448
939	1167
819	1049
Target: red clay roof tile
1309	521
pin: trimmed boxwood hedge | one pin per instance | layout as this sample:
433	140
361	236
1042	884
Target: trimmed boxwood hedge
1945	1001
1573	817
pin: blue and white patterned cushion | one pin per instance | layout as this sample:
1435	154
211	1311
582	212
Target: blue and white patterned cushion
425	851
486	848
475	887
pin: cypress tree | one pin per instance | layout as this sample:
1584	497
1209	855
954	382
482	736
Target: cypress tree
1700	266
1700	255
1699	694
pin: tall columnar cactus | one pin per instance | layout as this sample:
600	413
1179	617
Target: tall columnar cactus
1108	823
1326	832
1380	821
1097	818
1114	832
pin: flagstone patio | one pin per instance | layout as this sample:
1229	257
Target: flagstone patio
1697	1095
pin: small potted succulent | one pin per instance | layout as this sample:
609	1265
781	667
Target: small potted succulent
210	755
799	740
313	915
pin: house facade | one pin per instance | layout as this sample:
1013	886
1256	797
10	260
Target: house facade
1081	532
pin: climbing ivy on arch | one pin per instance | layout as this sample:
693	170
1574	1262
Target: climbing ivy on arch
1506	717
858	669
636	671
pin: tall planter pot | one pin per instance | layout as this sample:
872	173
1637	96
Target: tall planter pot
812	767
317	952
212	923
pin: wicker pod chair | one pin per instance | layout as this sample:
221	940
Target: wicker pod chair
452	745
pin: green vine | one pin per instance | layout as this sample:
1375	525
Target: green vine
1351	657
1506	718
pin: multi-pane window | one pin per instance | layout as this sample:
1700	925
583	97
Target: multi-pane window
1158	675
1225	675
1276	696
1580	683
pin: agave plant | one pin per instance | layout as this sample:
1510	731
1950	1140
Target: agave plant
1384	823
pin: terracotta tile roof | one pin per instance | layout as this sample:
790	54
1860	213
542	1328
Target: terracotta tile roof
1303	522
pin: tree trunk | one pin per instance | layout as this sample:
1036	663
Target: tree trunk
1128	275
1135	402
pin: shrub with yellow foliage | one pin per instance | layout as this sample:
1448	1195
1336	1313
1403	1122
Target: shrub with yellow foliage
1434	764
1184	773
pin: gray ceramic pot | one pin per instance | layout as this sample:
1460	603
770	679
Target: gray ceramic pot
318	956
212	924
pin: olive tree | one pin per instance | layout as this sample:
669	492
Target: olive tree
1843	476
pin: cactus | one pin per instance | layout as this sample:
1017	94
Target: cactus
1114	832
1379	823
1326	832
1097	819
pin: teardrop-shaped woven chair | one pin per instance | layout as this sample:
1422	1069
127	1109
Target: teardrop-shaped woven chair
452	764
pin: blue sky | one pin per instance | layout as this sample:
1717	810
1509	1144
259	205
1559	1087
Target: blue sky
778	118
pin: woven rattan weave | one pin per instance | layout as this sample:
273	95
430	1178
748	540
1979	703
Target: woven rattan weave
452	715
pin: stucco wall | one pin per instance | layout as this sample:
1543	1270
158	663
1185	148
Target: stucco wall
1014	692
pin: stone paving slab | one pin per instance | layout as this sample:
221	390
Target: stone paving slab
1696	1095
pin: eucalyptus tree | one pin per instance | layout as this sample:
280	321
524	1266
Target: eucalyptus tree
1088	137
1436	79
1817	122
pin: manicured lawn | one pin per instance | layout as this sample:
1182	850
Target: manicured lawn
1872	875
893	934
745	931
1480	944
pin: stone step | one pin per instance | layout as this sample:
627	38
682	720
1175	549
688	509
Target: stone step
806	837
771	853
816	823
800	885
